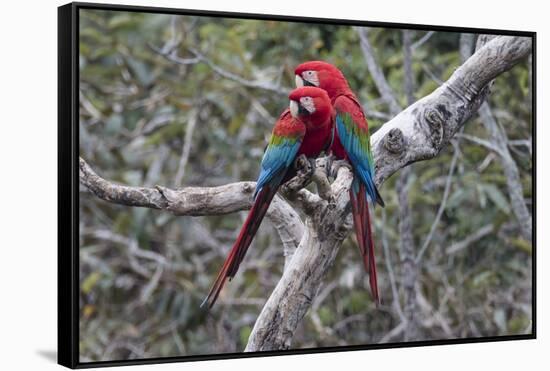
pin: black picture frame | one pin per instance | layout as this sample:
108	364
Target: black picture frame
68	183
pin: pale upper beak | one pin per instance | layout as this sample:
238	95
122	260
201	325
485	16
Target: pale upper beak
299	81
294	108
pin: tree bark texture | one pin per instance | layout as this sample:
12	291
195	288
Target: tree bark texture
417	133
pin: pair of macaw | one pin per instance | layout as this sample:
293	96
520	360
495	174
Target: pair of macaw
324	115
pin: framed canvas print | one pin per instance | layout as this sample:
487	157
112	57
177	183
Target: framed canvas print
236	185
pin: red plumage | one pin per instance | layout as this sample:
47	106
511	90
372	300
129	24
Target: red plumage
331	79
319	124
314	132
247	233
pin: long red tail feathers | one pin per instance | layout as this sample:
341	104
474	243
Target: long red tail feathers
363	231
358	224
238	251
373	280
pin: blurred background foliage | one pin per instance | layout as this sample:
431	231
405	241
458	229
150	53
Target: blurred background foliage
190	101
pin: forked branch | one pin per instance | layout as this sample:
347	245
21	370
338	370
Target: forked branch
417	133
196	201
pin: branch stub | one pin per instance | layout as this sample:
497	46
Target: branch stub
435	119
394	141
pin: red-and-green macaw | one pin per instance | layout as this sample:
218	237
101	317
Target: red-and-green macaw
351	143
305	128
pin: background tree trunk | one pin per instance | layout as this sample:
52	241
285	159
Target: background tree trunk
417	133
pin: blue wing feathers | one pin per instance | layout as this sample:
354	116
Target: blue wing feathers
276	161
359	158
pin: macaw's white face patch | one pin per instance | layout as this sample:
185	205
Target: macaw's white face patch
307	104
310	78
294	108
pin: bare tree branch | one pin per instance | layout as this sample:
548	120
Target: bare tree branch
172	56
241	80
425	127
466	46
499	141
410	269
442	206
187	141
482	142
169	51
293	295
376	72
422	40
474	237
511	171
198	57
389	266
196	201
417	133
407	65
522	143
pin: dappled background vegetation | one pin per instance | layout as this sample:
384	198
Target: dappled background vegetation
190	101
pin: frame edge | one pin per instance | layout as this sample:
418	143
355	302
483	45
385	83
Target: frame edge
67	282
68	183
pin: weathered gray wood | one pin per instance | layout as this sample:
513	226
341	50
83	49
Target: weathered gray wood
292	297
195	201
417	133
425	127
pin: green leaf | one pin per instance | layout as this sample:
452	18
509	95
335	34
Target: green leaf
90	281
141	70
481	195
482	278
121	21
523	245
326	315
496	196
244	334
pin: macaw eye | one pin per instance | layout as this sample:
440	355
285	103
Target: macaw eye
310	78
307	104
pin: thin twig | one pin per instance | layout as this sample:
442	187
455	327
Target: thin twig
409	266
477	235
482	142
197	201
422	40
387	257
441	206
188	140
239	79
376	72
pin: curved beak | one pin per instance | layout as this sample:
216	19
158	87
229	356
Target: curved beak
294	108
299	81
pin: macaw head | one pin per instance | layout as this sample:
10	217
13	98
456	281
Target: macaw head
311	105
322	75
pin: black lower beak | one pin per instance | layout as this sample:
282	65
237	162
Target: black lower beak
302	111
